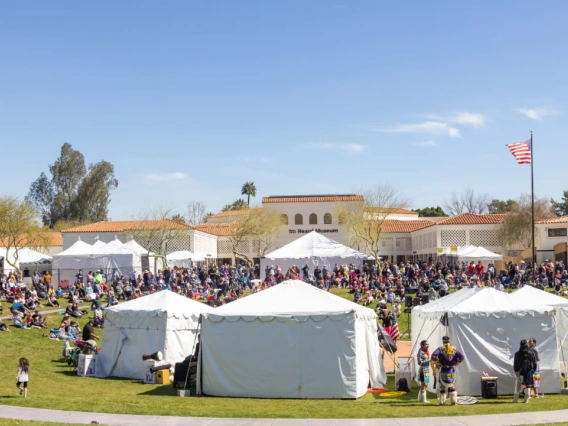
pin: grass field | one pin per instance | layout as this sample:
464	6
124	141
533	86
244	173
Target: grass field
55	385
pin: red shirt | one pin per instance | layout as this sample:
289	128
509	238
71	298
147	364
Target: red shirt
480	268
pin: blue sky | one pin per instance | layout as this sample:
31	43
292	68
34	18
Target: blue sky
190	99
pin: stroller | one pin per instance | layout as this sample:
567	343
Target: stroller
81	347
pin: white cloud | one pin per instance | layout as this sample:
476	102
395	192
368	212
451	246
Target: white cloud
427	127
351	147
462	118
165	177
425	143
536	113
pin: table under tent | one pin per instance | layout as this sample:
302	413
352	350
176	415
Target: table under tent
313	249
487	326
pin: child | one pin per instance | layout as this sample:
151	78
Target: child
22	376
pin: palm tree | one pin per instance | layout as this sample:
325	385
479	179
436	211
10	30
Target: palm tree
239	204
248	189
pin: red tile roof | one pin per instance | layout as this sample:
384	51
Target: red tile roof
561	219
389	210
218	229
312	198
48	239
233	213
128	225
404	226
473	219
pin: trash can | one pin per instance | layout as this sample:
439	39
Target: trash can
489	387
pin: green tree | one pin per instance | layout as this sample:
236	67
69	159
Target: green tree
561	207
501	206
431	212
179	218
238	204
248	189
74	192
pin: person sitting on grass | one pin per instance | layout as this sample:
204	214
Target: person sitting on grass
73	310
52	301
3	326
98	317
18	323
358	296
38	320
19	308
369	299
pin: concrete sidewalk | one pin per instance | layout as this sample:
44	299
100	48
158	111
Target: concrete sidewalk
38	414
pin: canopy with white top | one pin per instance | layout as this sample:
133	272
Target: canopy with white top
312	249
183	258
290	341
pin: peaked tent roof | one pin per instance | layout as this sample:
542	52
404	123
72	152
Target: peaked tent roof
25	255
479	253
314	245
134	246
295	299
159	304
99	244
535	297
479	302
184	255
78	248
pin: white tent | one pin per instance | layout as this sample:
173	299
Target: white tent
290	341
487	326
162	321
80	255
27	258
183	258
480	254
99	244
312	249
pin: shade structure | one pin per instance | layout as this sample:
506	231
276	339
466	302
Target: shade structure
479	254
183	258
107	257
290	341
487	325
162	321
313	249
26	258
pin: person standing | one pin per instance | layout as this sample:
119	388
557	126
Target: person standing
536	374
446	358
423	361
524	365
23	376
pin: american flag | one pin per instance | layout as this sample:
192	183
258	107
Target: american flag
521	151
395	333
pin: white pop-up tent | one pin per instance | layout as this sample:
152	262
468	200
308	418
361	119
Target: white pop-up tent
26	258
183	258
290	341
162	321
487	326
312	249
478	254
110	256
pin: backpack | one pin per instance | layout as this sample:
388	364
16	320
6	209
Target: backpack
402	385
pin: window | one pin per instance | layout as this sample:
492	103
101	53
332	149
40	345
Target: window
298	219
313	219
557	232
284	219
327	219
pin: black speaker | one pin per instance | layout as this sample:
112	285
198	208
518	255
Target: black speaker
417	301
489	387
408	301
425	299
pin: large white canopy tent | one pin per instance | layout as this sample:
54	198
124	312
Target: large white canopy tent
27	258
290	341
312	249
471	253
530	297
487	325
183	259
162	321
113	255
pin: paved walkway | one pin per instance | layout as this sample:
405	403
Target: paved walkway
22	413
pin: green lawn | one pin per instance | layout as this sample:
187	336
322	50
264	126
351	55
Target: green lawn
54	385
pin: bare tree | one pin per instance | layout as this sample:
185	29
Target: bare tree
516	229
364	220
258	225
196	213
19	227
155	231
467	202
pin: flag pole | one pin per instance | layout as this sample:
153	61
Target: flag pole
532	209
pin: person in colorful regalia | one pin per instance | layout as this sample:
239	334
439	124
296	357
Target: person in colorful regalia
445	359
423	360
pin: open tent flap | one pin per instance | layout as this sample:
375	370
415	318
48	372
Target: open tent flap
489	344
